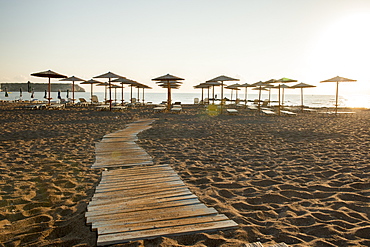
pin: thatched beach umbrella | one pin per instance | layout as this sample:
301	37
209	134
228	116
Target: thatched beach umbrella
221	79
301	86
91	82
124	80
143	87
246	85
283	87
213	84
259	86
281	81
72	79
166	80
338	79
105	84
203	86
49	74
109	75
115	90
235	87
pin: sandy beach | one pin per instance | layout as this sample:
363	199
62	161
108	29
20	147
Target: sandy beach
302	180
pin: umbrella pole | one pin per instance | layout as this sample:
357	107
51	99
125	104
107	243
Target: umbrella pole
168	96
245	96
131	94
213	93
91	92
202	96
208	95
302	98
143	96
73	92
110	96
49	88
222	95
259	99
336	100
122	95
138	94
279	101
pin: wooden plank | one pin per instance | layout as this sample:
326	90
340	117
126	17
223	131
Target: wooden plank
129	183
132	236
150	187
137	205
129	193
142	170
160	224
92	205
140	177
154	195
155	214
115	165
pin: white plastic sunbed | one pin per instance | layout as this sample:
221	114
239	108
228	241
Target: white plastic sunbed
268	112
289	113
232	111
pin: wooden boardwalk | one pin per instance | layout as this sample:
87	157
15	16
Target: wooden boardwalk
138	200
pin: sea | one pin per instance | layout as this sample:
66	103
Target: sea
359	101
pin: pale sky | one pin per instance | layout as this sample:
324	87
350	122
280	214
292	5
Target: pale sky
252	40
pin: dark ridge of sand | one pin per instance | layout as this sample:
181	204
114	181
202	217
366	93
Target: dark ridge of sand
301	180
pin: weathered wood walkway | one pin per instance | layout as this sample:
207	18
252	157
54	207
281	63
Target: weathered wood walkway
138	200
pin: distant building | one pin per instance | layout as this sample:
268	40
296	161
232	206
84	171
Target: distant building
39	87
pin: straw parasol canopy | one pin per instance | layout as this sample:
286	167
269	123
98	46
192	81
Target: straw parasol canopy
221	79
91	82
109	75
301	86
213	84
49	74
143	86
246	85
203	86
260	86
338	79
281	81
72	79
123	80
171	82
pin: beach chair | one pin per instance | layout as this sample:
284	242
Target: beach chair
82	102
289	113
232	111
252	107
102	107
56	106
268	112
159	108
176	108
119	107
196	101
95	100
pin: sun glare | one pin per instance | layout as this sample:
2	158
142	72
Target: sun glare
343	46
